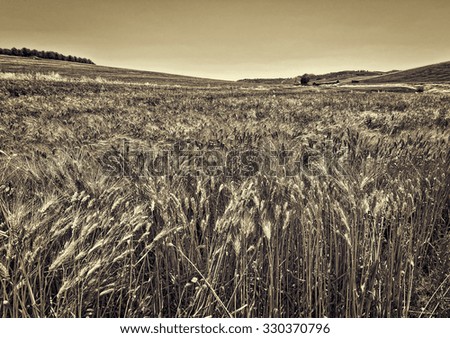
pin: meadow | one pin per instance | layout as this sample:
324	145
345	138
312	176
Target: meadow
360	228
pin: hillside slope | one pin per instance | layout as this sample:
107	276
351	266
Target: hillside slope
342	76
13	64
437	73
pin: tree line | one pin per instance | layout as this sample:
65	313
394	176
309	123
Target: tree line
26	52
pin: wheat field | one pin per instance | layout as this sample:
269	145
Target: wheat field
353	223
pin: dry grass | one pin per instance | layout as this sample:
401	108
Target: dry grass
366	234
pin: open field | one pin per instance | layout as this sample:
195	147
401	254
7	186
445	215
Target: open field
273	202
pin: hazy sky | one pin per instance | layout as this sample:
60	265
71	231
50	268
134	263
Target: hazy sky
234	39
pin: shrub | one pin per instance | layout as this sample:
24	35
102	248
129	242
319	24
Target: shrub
304	79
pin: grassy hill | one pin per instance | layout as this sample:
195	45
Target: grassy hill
342	76
13	64
345	75
437	73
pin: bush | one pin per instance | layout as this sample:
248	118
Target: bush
304	79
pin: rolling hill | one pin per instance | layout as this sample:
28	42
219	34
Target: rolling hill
14	64
436	73
342	76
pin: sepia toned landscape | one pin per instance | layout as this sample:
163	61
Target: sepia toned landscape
138	194
164	163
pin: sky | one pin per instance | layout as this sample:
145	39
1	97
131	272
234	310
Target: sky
234	39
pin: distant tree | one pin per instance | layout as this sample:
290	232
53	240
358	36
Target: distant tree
304	79
50	55
26	52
